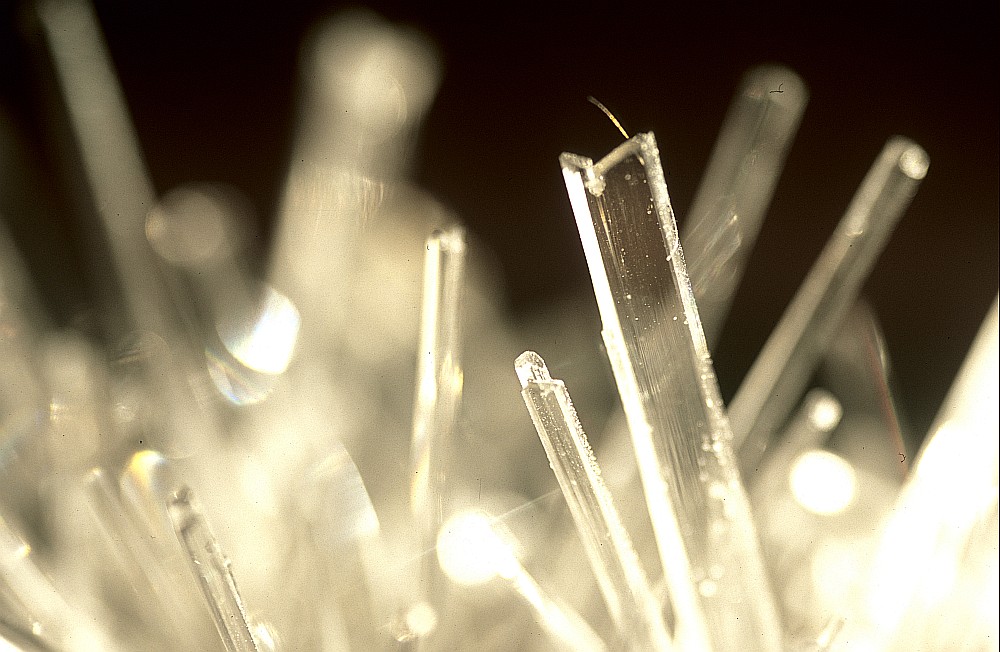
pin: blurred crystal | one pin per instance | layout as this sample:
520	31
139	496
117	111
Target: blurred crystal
729	207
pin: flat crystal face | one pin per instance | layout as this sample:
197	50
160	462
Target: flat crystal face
682	438
656	329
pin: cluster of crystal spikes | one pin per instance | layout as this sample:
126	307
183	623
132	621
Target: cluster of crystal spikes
332	454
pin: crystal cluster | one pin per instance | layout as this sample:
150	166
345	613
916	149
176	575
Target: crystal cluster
332	454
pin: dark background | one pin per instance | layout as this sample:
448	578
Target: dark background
212	88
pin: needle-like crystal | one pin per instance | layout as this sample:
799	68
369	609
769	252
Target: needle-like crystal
366	86
438	390
729	207
141	570
439	375
621	579
17	290
682	440
148	486
566	627
778	376
211	567
111	155
123	193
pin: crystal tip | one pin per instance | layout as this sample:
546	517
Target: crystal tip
182	496
530	367
913	161
451	239
776	84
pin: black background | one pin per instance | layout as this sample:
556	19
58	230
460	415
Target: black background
212	87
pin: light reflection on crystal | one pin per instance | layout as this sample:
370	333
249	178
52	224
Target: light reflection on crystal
146	483
822	482
255	351
266	342
334	498
242	386
825	413
469	550
421	619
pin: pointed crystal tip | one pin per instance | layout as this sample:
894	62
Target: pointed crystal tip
530	367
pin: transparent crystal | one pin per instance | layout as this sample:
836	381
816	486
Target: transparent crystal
637	614
682	440
214	575
775	383
736	189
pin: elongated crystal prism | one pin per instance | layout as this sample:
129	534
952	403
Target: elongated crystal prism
123	193
438	394
679	430
637	614
167	609
734	194
366	86
112	158
214	575
439	374
566	627
775	383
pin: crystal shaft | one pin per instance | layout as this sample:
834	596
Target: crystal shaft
636	612
682	440
779	375
211	568
439	376
112	159
732	200
123	194
945	521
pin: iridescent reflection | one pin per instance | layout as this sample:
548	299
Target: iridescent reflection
255	351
